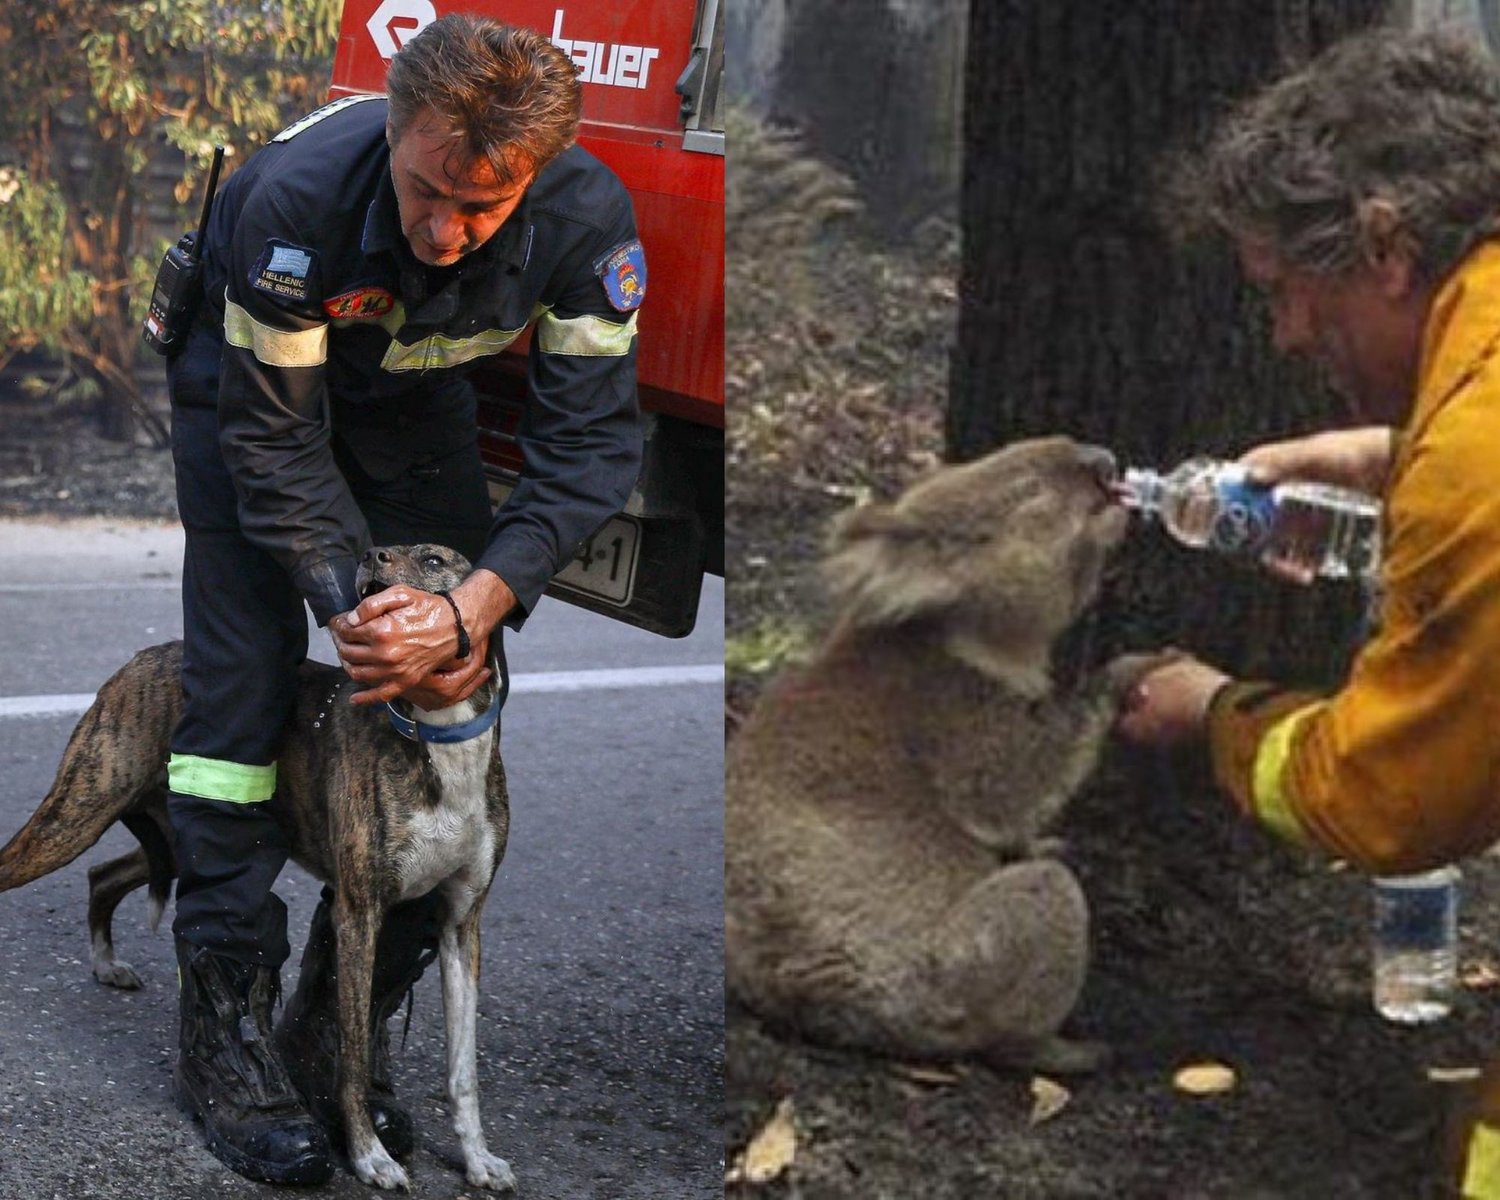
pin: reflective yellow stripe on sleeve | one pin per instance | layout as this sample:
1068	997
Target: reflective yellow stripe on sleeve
1272	805
437	352
218	779
586	335
1482	1166
274	347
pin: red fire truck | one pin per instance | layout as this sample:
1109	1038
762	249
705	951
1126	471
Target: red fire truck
651	72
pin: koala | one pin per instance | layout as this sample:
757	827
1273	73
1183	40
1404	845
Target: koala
887	884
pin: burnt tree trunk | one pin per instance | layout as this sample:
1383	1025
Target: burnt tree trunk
1078	315
870	86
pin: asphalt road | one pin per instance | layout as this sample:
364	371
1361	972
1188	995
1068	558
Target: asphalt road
601	1011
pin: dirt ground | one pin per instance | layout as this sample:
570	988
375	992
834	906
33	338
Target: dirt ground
1211	943
1211	940
53	461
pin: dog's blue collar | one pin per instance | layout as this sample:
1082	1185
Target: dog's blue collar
420	731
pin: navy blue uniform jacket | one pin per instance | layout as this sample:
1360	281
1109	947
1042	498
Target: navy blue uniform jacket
333	331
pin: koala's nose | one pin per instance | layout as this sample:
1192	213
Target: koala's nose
1100	462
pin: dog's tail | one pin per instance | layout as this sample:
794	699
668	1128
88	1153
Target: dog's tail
116	756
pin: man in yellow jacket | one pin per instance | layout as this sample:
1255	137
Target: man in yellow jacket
1363	198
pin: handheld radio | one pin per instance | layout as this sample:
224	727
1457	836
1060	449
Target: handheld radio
178	288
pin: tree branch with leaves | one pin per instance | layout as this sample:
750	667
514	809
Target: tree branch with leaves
97	92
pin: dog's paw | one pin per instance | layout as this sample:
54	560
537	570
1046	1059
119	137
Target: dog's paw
379	1169
117	974
486	1171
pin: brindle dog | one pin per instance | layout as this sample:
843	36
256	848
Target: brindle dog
380	818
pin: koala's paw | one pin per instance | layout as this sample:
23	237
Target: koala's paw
1064	1056
1123	672
1051	1056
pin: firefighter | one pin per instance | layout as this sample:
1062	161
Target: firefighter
353	270
1361	194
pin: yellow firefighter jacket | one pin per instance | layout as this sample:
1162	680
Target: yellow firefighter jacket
1400	770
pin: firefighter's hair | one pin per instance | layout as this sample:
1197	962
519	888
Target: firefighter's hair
503	91
1403	123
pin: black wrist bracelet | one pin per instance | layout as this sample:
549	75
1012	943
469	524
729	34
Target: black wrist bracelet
463	634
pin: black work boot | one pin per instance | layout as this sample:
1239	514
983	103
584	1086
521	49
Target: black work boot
229	1077
307	1035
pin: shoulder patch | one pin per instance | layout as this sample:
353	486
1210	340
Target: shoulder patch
283	270
320	114
364	303
623	273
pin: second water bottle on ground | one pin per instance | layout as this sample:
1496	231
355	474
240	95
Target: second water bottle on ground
1415	945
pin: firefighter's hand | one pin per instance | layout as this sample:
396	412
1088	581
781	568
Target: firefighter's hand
401	642
1169	705
455	680
1351	458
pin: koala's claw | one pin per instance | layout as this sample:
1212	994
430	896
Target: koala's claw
1048	847
1064	1056
1126	670
1052	1056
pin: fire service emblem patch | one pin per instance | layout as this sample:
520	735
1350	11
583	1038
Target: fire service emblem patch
366	303
623	272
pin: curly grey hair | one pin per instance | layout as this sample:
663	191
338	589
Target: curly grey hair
1409	122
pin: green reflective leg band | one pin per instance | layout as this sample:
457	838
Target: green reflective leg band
1482	1167
215	779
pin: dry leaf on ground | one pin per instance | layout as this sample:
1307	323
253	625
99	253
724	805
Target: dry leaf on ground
939	1076
1453	1074
1205	1079
1479	974
770	1151
1048	1098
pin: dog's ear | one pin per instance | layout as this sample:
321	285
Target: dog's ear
883	568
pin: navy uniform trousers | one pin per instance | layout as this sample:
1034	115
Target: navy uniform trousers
245	632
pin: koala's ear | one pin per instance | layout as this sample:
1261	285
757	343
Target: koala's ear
863	521
883	568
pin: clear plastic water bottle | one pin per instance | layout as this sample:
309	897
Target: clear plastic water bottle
1311	529
1415	945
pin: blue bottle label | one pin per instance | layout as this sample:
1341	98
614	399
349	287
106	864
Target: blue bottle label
1244	519
1409	919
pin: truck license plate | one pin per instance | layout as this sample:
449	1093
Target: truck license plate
605	564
